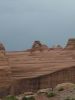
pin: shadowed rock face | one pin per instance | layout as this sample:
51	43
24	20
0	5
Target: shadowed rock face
71	44
22	71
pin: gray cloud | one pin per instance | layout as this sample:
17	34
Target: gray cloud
23	21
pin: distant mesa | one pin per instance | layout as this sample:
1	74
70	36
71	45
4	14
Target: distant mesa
71	44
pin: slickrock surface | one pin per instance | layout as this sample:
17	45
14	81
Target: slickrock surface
37	61
25	64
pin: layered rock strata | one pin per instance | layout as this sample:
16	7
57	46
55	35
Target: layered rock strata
5	72
38	67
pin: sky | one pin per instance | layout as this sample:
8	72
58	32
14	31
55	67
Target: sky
24	21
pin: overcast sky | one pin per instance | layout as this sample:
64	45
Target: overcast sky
23	21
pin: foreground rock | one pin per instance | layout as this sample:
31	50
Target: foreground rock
68	93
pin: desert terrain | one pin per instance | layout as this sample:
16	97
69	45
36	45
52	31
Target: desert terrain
36	68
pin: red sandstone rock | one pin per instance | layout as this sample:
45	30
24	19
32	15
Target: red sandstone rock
38	46
71	44
24	72
5	72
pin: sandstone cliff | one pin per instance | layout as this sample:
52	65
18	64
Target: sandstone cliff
17	69
5	72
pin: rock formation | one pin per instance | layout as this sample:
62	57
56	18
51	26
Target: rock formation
5	72
38	46
2	50
71	44
20	72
